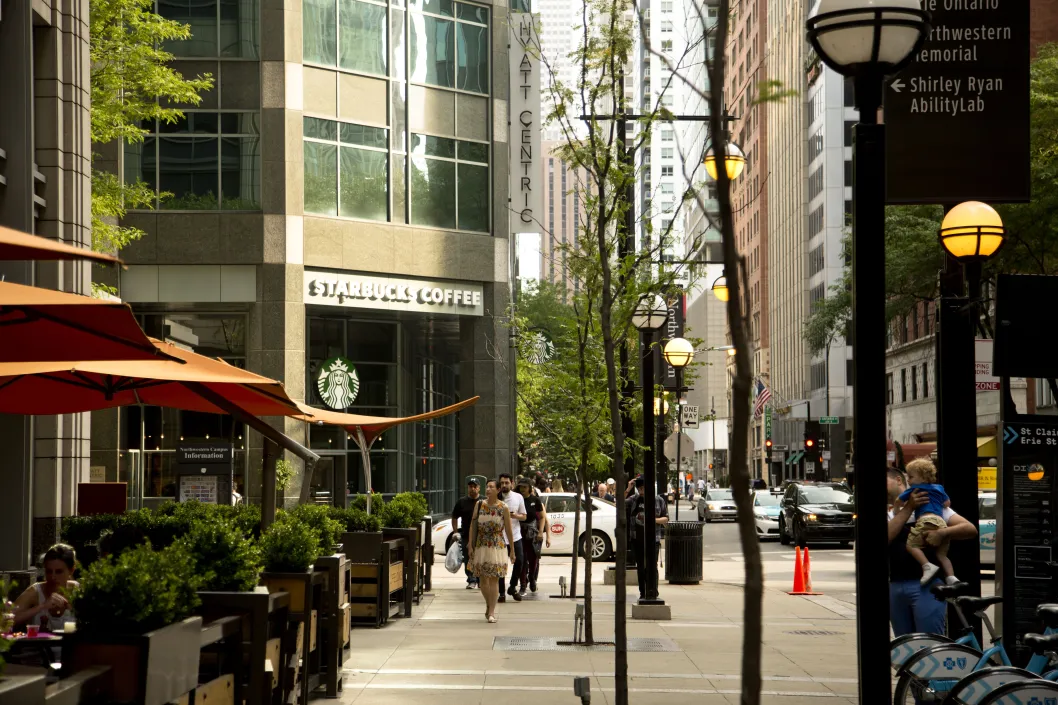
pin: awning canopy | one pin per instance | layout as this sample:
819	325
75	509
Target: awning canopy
374	426
63	387
43	325
16	245
986	447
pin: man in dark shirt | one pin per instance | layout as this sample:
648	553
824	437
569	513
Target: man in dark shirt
636	504
462	515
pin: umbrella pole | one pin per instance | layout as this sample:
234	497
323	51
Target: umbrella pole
268	482
281	439
365	459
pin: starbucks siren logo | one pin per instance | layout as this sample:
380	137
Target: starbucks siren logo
338	382
539	348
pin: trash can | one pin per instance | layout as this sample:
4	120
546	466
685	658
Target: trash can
683	552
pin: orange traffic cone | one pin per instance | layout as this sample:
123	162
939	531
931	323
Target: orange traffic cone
798	574
808	574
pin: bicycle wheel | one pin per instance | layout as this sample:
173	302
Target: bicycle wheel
1024	692
930	674
975	687
904	647
915	691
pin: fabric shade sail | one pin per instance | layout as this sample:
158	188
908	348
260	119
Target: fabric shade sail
62	387
17	245
365	430
43	325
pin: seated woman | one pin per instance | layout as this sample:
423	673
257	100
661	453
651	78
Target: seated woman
48	603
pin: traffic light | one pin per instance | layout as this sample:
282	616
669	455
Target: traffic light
812	441
767	443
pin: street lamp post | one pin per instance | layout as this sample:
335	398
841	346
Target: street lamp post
650	315
971	233
868	40
679	352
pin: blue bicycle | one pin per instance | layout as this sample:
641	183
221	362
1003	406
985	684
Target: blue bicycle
959	674
904	647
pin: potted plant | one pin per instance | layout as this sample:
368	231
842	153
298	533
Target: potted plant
134	615
288	549
225	560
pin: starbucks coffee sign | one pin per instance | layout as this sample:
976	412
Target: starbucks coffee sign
337	383
393	293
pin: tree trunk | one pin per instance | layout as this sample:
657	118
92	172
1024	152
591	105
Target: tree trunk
576	552
589	636
740	389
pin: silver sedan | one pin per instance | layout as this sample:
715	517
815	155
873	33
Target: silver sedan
717	505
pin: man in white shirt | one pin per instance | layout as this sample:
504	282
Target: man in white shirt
701	487
516	504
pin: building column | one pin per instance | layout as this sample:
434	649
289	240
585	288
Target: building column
486	442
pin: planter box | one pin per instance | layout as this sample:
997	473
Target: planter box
152	669
306	593
220	691
371	564
22	686
265	618
411	540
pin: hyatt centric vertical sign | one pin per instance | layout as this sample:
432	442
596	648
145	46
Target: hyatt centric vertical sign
957	118
526	194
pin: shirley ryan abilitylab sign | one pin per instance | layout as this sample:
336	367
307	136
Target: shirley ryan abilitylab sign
526	192
392	293
957	118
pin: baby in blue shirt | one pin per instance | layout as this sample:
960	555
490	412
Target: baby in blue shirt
922	476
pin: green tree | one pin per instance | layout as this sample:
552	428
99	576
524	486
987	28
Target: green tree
132	84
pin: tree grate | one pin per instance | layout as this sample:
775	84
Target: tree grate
537	643
814	632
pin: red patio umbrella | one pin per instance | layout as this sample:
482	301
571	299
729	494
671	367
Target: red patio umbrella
17	245
46	325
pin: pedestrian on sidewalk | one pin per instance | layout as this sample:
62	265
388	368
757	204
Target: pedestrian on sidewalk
516	505
491	545
462	515
532	537
911	606
701	487
603	492
639	537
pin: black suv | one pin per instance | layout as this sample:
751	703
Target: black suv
816	511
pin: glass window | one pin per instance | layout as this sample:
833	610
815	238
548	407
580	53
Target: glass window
434	146
474	197
436	7
433	192
319	33
363	135
432	51
321	178
362	36
372	342
201	16
363	179
474	152
238	28
200	169
187	168
321	129
473	56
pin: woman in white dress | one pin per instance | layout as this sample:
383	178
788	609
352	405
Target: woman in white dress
491	546
47	604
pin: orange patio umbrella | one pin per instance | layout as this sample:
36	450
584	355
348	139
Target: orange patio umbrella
365	430
189	381
47	325
17	245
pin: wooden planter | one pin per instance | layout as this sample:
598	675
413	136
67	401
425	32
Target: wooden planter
306	593
21	686
149	669
265	620
376	577
411	541
333	606
427	553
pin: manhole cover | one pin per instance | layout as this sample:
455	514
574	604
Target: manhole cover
537	643
814	632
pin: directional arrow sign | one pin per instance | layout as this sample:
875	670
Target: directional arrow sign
897	85
1010	435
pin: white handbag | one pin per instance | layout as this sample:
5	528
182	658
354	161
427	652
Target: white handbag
454	557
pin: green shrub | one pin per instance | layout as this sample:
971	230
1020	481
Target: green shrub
360	502
137	591
82	531
245	517
353	519
225	560
416	500
400	514
289	547
317	517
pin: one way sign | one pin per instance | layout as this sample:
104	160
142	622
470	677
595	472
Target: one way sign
690	416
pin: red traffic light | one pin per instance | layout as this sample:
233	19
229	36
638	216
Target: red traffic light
710	466
767	443
809	443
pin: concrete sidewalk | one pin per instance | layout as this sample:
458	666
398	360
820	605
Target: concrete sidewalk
445	653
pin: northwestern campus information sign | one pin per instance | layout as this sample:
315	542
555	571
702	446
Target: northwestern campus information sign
957	117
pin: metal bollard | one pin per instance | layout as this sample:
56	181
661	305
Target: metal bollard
578	623
582	689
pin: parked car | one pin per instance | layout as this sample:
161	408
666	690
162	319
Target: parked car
986	528
717	505
560	508
813	512
766	514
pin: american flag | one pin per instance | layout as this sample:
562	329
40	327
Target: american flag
763	395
